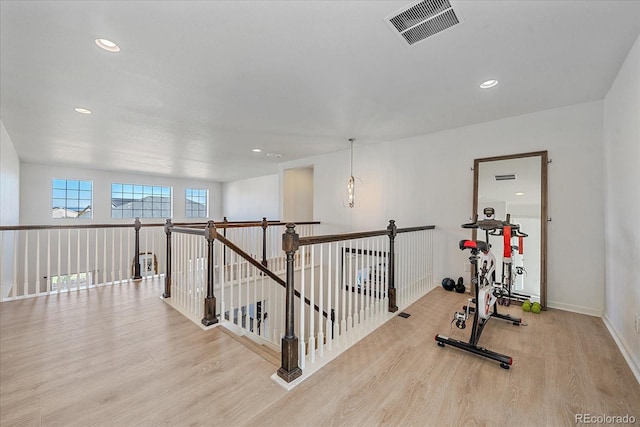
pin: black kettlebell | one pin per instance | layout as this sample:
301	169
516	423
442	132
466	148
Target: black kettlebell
460	286
448	283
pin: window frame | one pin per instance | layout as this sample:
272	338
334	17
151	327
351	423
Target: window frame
68	192
137	193
188	213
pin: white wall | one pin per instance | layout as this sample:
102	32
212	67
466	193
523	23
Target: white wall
35	193
298	195
428	180
9	202
9	180
251	199
622	206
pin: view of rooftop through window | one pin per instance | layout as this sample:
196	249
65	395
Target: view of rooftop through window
71	198
196	203
140	201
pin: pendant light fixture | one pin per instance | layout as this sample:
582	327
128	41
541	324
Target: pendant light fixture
351	184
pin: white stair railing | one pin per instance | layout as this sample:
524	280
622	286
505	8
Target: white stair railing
42	259
345	287
350	277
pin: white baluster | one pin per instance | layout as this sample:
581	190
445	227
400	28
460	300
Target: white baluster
302	352
231	283
113	256
330	305
350	284
321	305
38	262
366	283
14	290
104	256
88	271
78	259
343	287
120	257
58	281
25	290
220	249
94	272
312	347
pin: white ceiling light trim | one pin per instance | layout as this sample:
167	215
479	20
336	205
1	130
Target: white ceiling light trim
256	150
489	84
107	45
82	110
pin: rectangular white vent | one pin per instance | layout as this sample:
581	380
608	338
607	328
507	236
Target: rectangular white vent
506	177
423	19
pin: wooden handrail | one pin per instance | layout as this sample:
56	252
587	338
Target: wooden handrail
63	227
263	269
186	230
218	224
313	240
249	258
412	229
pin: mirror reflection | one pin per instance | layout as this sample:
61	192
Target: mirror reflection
512	186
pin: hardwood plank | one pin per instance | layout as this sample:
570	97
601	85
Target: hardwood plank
118	356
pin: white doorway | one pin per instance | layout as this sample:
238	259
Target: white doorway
298	194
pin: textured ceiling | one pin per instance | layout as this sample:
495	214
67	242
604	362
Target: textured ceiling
198	84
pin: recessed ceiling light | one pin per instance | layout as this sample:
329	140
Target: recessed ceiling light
488	84
256	150
519	193
108	45
82	110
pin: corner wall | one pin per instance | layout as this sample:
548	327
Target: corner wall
9	180
9	202
428	180
622	207
251	199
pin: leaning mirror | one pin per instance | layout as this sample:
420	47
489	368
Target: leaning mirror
515	186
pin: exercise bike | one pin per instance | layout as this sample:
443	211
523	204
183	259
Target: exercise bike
486	296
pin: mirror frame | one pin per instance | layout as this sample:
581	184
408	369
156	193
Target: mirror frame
543	209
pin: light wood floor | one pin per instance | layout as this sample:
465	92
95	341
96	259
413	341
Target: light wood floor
119	356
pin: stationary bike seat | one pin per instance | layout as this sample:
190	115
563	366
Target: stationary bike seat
474	244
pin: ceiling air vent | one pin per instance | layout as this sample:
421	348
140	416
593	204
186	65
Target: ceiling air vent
506	177
423	19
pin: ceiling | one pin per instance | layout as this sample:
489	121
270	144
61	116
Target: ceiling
198	84
524	189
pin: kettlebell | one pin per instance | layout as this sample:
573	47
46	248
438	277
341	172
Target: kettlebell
460	286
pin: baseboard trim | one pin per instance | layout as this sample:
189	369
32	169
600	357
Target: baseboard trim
633	363
589	311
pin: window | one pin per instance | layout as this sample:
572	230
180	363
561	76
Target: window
140	201
196	203
71	282
71	198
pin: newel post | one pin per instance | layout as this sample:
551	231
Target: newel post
167	273
290	370
391	279
136	264
210	317
265	224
